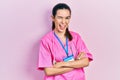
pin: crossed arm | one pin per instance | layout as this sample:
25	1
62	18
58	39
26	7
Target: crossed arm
63	67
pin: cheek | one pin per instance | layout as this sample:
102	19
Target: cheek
57	21
56	24
67	21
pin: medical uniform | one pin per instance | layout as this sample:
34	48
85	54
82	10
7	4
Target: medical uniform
50	51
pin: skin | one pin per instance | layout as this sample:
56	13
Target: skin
61	20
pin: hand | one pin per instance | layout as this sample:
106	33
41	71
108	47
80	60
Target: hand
81	55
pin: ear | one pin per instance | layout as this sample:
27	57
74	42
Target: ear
52	17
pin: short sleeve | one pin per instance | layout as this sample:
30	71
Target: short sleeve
45	59
81	47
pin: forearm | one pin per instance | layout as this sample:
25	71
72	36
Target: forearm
56	71
63	67
83	62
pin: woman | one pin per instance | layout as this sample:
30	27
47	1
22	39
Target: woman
62	53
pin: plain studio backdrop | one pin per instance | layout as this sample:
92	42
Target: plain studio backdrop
24	22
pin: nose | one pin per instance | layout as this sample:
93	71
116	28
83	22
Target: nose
63	21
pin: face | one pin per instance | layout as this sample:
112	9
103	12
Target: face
61	20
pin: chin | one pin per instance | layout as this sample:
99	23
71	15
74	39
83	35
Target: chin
61	31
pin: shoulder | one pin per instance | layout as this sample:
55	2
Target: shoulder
47	37
75	34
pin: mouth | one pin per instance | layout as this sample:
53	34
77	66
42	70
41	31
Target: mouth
62	27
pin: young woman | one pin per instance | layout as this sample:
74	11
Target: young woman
62	53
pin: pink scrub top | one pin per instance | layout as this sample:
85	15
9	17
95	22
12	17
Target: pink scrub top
50	50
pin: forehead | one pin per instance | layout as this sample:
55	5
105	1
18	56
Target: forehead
63	12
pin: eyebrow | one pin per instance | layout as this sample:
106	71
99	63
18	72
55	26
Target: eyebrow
63	17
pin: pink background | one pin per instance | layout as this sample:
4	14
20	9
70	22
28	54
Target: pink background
24	22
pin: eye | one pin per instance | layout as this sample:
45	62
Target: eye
68	17
59	17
